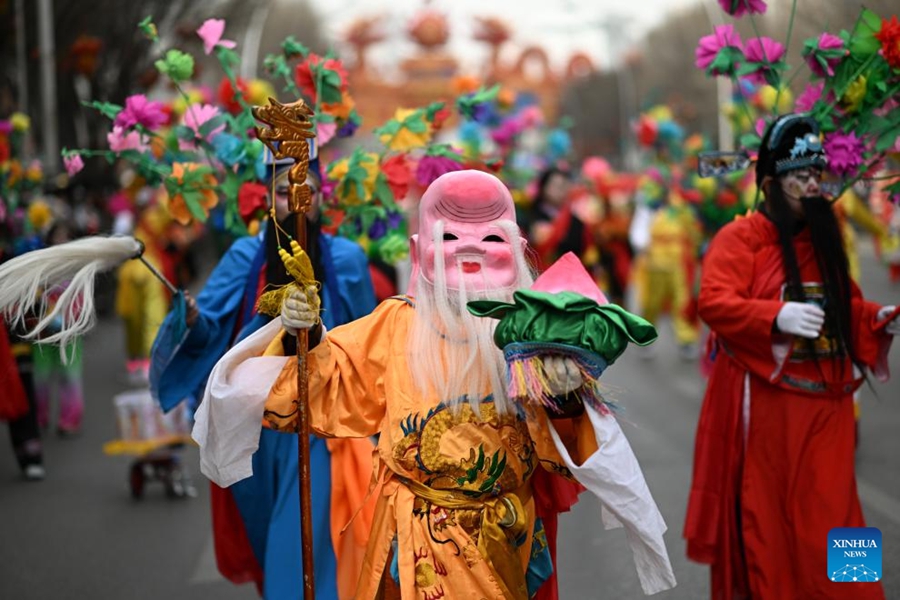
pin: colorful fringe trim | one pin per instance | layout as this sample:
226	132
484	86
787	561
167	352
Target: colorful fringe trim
528	382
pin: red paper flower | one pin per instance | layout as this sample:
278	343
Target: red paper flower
396	170
440	117
305	73
889	36
252	200
228	96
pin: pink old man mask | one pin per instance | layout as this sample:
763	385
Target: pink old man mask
468	208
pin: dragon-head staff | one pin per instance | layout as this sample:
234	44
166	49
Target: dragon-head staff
289	128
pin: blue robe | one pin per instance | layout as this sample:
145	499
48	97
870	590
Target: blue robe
181	363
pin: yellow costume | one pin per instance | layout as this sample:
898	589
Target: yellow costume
455	507
666	264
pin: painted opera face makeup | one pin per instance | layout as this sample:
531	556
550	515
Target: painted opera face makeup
461	232
800	183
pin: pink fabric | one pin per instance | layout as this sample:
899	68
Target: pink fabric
569	275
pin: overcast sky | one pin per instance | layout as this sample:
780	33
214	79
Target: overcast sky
560	26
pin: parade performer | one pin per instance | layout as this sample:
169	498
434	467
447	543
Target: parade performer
774	459
53	370
667	236
256	521
455	515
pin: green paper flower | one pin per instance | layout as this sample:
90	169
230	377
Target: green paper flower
177	65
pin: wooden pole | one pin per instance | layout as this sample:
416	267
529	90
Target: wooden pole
304	476
290	128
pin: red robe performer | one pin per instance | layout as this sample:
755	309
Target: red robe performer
774	457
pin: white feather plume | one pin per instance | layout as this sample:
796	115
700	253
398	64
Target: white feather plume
26	279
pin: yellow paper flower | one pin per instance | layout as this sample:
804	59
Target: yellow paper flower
39	214
855	94
259	91
20	121
348	192
404	139
766	98
661	112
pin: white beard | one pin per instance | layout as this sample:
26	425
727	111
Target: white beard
452	352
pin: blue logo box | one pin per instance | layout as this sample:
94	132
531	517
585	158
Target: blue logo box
854	554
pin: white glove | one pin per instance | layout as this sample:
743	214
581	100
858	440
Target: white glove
892	328
563	375
798	318
300	309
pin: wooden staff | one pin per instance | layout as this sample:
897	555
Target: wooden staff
290	128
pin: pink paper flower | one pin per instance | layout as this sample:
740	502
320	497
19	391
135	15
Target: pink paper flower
810	96
844	152
831	48
766	52
73	163
211	33
709	46
197	115
140	111
760	127
325	132
119	141
738	8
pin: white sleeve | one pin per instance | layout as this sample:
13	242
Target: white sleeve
639	232
228	421
613	474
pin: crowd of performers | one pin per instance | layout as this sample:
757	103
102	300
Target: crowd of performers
463	311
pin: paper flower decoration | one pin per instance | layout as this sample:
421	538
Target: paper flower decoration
432	166
396	171
321	80
211	33
356	176
406	131
197	116
844	152
74	164
192	194
738	8
808	98
824	53
252	201
120	141
20	122
140	111
889	36
764	56
177	65
720	52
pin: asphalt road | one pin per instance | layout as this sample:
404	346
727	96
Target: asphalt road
78	534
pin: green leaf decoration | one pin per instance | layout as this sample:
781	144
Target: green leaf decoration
177	65
228	58
863	43
383	191
148	28
293	49
465	105
107	109
212	124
